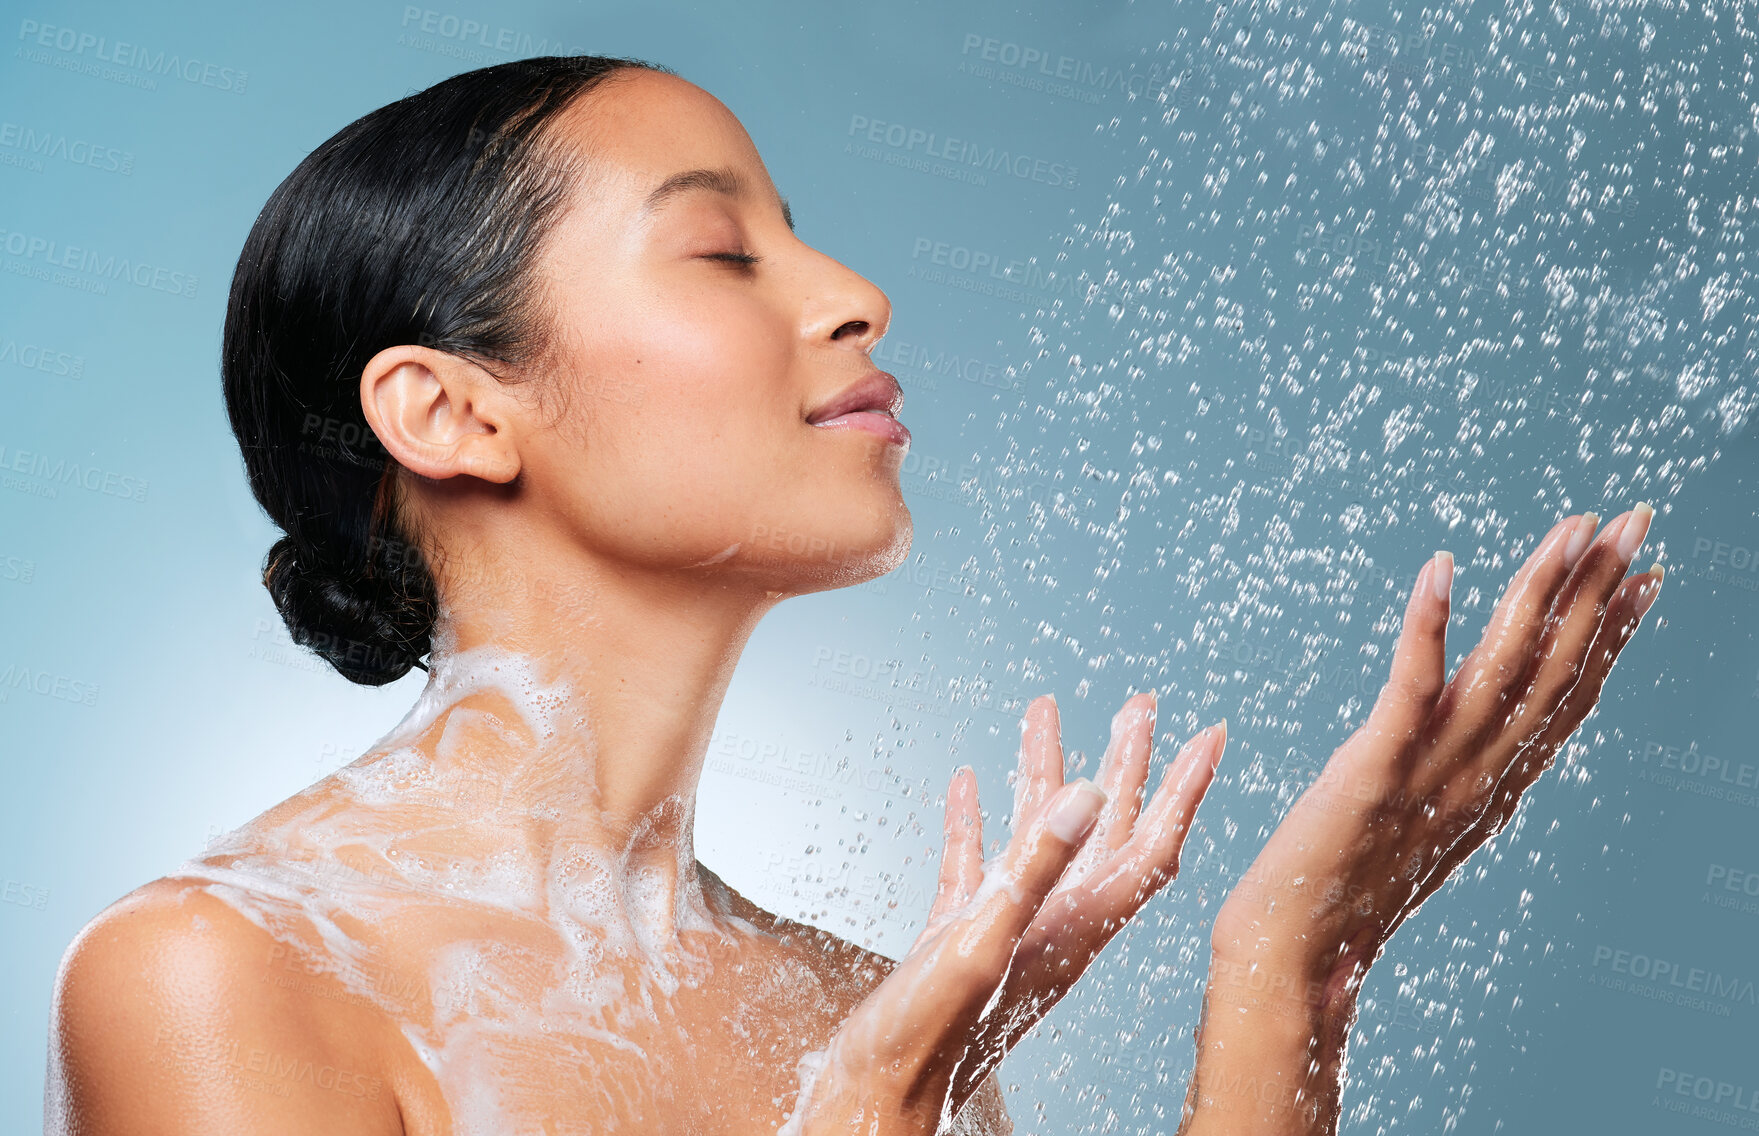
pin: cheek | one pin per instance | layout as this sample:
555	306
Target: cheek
676	348
711	393
681	432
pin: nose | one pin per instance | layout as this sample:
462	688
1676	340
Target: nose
845	308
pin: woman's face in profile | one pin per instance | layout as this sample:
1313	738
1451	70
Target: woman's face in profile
689	376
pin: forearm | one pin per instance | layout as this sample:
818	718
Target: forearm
1269	1054
985	1113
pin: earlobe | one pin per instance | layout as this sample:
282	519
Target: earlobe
438	415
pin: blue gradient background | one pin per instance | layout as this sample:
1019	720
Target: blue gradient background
1311	308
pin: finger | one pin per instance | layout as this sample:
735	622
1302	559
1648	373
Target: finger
1623	614
1041	760
1070	930
1579	615
1151	858
1419	670
1624	611
1502	661
962	853
1123	774
1016	886
1501	735
955	973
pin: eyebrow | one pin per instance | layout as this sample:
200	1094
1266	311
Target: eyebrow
723	180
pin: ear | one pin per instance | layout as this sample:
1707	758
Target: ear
439	415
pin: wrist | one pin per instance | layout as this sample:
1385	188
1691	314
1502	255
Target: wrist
836	1104
1282	998
1270	1049
1304	974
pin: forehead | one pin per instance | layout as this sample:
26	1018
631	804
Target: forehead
637	129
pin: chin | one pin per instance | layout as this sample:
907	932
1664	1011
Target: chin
843	560
893	552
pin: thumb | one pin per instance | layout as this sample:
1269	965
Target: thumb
1032	864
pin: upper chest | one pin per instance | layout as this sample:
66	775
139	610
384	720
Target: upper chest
497	1029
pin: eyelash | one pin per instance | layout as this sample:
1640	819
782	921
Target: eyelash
744	259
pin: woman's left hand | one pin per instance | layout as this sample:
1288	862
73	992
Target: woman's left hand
1437	769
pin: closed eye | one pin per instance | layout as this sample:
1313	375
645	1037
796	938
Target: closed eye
741	258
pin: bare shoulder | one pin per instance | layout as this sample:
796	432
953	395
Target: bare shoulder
163	1023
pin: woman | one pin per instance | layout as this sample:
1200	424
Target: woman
542	387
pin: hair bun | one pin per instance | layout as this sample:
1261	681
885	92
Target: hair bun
370	632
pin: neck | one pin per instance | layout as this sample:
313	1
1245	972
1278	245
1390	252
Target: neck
568	713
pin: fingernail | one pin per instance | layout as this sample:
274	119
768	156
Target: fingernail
1581	538
1220	729
1558	537
1631	536
1650	591
1441	576
1075	811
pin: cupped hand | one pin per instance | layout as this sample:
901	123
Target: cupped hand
1437	769
1007	938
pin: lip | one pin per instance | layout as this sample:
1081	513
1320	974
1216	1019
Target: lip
870	404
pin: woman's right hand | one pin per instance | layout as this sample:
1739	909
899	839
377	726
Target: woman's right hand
1004	941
